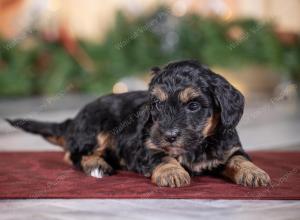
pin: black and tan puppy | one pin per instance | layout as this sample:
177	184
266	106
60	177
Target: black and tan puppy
184	125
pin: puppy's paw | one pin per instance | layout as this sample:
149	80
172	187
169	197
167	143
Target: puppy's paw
96	166
241	171
254	177
97	173
170	175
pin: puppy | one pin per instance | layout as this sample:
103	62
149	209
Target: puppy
184	125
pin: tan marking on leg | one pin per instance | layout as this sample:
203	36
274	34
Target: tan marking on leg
59	141
170	173
159	93
188	94
105	141
94	161
123	163
67	158
243	172
211	125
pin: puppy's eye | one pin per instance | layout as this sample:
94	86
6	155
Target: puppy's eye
193	106
158	104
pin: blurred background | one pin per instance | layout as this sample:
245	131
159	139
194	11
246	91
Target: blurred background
56	56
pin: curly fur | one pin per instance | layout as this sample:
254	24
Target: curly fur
188	114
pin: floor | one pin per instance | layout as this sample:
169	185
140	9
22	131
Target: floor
267	124
148	209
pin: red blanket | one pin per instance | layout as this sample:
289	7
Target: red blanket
45	175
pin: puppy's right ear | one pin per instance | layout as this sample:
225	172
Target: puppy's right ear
155	70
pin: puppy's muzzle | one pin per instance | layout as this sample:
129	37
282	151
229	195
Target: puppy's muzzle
171	135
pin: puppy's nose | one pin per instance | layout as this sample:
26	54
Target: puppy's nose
171	135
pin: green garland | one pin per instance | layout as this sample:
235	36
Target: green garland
133	46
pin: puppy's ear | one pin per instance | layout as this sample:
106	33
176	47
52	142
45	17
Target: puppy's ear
155	70
229	100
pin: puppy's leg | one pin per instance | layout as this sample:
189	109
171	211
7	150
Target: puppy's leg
170	173
67	158
96	166
241	171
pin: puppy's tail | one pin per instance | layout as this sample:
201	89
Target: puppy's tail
52	132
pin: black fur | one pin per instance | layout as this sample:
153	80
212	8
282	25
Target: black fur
131	119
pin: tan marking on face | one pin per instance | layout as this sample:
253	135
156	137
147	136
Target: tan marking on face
170	173
175	151
211	124
241	171
149	144
214	163
188	94
159	93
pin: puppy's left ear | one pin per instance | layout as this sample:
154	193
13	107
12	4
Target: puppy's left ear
229	100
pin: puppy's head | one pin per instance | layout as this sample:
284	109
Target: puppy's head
188	103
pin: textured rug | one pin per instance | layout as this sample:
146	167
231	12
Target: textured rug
34	175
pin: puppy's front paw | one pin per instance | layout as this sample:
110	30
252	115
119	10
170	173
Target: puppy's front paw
243	172
253	177
170	175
